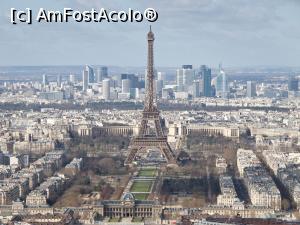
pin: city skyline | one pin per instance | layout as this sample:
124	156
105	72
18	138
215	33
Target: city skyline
144	149
236	33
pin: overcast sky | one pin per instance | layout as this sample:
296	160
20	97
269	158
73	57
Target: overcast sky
236	32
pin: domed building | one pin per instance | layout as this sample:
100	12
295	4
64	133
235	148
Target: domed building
129	207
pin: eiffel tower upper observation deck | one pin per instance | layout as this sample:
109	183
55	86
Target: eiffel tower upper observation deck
145	139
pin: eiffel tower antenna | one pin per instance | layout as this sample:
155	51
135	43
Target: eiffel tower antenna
144	140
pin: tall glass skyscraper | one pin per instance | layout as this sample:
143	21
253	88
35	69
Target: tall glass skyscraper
222	89
251	89
59	80
206	80
106	89
85	77
72	78
91	74
126	85
196	89
102	73
45	79
185	77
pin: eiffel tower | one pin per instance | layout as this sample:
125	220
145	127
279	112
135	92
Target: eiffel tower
145	139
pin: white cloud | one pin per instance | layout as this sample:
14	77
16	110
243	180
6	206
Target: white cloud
187	30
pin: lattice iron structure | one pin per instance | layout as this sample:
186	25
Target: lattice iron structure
145	139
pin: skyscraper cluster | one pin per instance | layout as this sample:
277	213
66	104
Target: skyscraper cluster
194	83
188	83
89	76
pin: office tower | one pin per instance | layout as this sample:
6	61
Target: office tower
72	78
102	73
187	67
222	89
113	83
185	77
195	89
159	84
161	76
90	74
293	84
201	88
45	79
99	76
85	80
106	89
206	80
126	85
134	80
179	78
251	89
59	80
134	92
